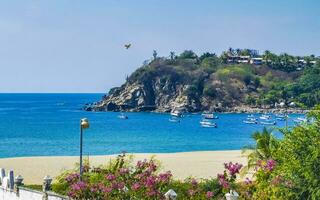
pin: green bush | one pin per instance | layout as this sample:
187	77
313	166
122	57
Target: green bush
290	167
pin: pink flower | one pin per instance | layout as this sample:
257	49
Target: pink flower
71	178
233	168
270	164
164	177
115	185
79	186
107	190
110	177
150	182
248	181
209	194
123	171
194	182
151	193
152	166
121	185
135	186
141	164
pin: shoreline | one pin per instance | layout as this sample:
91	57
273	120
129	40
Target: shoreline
226	110
198	164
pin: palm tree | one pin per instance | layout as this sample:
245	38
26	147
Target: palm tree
267	56
262	150
172	55
154	54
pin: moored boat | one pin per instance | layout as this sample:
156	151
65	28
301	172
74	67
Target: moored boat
209	116
208	124
265	117
122	116
249	121
268	122
176	113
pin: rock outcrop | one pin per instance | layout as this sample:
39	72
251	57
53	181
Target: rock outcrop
165	85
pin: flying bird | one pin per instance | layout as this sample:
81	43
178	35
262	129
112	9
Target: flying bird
127	46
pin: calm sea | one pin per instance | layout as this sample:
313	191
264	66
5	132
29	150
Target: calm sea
48	125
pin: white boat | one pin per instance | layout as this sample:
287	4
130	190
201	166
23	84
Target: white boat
209	116
176	113
281	117
268	122
250	121
265	117
122	116
301	120
208	124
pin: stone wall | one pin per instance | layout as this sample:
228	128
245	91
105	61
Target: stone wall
12	189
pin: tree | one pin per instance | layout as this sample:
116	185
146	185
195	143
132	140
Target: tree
206	55
154	54
210	64
188	54
172	55
264	148
298	157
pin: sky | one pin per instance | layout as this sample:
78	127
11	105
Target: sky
77	46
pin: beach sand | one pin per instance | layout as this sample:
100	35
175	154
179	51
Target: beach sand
202	164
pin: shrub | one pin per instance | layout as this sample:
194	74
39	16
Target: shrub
120	179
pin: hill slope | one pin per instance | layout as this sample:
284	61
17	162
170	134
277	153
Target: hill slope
195	84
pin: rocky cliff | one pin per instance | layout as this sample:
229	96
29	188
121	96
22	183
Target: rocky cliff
164	85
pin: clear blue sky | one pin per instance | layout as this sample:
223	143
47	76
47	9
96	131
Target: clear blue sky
77	46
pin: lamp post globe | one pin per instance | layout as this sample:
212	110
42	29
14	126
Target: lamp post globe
84	122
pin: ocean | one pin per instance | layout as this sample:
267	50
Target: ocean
48	125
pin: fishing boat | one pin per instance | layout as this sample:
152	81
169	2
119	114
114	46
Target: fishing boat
250	121
176	113
265	117
300	120
209	116
268	122
208	124
122	116
281	117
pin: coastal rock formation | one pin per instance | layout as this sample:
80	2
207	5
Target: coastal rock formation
194	85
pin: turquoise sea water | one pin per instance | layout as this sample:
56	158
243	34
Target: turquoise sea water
48	124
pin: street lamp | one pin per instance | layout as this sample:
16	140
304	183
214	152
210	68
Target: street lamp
84	123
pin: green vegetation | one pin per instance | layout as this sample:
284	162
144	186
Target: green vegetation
121	179
287	168
277	78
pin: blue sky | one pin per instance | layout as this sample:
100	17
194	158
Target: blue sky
77	46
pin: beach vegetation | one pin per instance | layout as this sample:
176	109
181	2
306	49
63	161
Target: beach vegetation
287	167
121	179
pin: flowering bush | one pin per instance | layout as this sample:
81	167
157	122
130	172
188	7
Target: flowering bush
122	180
228	178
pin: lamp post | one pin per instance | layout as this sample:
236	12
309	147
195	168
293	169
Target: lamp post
84	123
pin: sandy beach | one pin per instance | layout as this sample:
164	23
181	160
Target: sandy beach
203	164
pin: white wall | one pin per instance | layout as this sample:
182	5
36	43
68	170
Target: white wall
26	194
